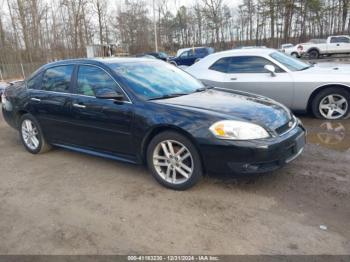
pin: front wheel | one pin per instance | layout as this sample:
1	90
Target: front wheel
174	161
31	135
331	103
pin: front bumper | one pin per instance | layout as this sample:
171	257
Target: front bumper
255	156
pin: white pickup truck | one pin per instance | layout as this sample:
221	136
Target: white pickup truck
318	47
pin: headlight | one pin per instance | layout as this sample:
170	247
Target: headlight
237	130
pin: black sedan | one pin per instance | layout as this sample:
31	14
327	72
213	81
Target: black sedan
147	111
2	88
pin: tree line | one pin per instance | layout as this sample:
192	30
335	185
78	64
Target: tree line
43	30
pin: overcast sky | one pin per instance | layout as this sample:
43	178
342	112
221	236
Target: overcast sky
174	4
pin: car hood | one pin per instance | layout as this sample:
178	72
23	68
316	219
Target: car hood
325	72
330	68
234	105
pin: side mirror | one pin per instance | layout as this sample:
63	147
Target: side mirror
271	69
111	95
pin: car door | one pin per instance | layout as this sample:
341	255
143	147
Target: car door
339	44
342	45
333	45
186	58
49	101
247	73
101	124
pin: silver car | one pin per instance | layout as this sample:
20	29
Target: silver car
324	91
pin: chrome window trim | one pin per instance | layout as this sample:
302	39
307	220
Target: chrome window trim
87	64
249	55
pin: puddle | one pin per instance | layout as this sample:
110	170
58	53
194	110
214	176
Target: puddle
333	134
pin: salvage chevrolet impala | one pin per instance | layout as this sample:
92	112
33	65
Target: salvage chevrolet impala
147	111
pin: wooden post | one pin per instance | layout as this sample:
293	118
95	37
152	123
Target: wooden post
24	76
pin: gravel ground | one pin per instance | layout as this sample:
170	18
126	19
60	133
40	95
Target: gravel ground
64	202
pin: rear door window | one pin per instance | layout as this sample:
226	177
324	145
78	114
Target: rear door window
221	65
334	40
57	79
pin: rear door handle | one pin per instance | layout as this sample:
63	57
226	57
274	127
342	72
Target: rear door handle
79	106
35	99
233	78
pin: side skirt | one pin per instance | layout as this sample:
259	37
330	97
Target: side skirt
95	153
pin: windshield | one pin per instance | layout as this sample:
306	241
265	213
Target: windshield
291	63
150	80
163	55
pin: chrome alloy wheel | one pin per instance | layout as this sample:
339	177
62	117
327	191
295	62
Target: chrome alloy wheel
333	106
173	162
30	134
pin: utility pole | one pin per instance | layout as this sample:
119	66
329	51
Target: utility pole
155	26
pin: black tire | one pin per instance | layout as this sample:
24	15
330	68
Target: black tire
43	146
314	54
315	106
197	163
173	63
294	54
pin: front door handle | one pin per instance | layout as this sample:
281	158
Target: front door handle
35	99
79	106
233	78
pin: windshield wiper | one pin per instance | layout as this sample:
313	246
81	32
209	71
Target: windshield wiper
168	96
306	67
204	88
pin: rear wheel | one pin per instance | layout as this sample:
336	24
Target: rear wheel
331	103
314	54
174	161
32	136
296	55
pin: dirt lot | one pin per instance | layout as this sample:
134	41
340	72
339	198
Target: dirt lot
68	203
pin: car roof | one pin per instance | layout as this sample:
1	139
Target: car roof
99	61
248	51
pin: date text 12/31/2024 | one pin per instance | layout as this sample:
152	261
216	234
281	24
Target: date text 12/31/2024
173	258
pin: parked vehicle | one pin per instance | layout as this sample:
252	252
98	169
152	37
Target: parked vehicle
191	56
181	50
2	87
250	47
159	55
318	47
295	51
284	46
299	85
147	111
